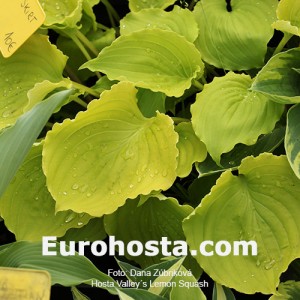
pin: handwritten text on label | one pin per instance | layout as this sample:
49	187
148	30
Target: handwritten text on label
27	11
8	39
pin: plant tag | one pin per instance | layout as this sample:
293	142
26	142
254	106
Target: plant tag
24	284
19	19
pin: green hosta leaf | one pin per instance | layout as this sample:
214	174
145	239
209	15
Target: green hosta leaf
279	78
191	149
64	270
178	20
92	231
110	153
222	293
235	40
62	14
150	102
27	207
216	114
137	5
186	287
289	290
16	141
288	14
151	221
77	295
35	61
292	140
155	59
260	204
266	143
87	6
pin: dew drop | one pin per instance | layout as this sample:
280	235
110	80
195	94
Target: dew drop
36	198
231	163
139	179
79	223
165	173
6	114
70	217
84	188
131	186
89	194
269	265
65	193
75	186
258	263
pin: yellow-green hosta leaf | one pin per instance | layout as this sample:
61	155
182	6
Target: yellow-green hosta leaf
216	114
178	20
62	14
237	39
292	141
261	204
156	59
137	5
279	78
288	14
35	61
191	149
87	6
28	208
152	220
109	153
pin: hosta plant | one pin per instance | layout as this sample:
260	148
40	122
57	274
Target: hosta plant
151	119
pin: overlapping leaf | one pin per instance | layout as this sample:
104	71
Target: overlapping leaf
261	204
292	141
156	59
62	14
237	39
137	5
27	207
288	14
191	149
178	20
279	78
35	61
216	114
108	154
151	221
289	290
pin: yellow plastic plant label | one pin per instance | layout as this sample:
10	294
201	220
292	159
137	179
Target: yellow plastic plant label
19	19
24	284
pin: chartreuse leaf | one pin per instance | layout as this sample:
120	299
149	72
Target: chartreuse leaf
186	287
152	220
216	114
288	14
62	14
27	207
137	294
261	204
77	295
191	149
178	20
229	39
87	6
137	5
92	231
156	59
279	78
292	141
289	290
64	270
16	141
110	153
36	61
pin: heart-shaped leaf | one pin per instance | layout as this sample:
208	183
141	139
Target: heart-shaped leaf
109	153
216	114
27	207
156	59
178	20
261	204
228	34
